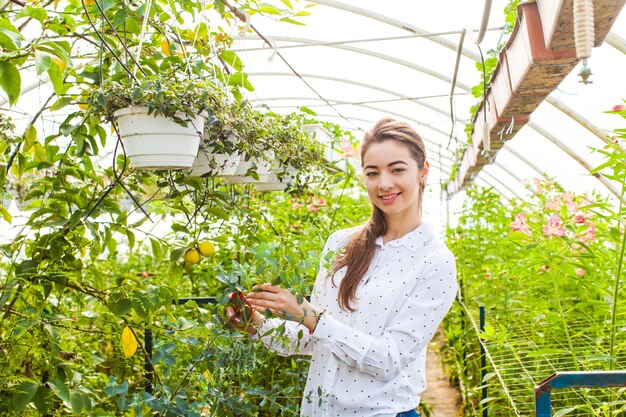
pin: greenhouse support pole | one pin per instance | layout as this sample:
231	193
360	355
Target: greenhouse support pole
483	363
148	369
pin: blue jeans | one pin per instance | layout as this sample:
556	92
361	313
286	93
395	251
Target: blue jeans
411	413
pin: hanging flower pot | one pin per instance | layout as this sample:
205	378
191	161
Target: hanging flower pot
210	162
527	72
278	182
262	167
557	21
158	142
321	135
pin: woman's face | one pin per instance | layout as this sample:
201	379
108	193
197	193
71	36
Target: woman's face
392	178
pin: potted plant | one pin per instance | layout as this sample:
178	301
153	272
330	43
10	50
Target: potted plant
296	151
159	121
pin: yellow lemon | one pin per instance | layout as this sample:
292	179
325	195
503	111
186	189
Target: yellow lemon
206	248
191	256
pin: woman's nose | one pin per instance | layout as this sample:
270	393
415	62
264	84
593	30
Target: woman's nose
385	181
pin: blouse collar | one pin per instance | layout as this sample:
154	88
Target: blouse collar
412	240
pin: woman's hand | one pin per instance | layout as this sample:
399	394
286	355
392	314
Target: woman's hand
282	303
238	317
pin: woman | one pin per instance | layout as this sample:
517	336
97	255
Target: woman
376	308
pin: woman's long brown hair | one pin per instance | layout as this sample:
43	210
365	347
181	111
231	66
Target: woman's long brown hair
358	254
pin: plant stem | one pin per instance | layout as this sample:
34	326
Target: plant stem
565	327
618	273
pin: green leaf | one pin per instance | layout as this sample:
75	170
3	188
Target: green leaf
30	137
218	212
36	13
564	411
287	3
59	389
9	40
10	81
122	307
60	103
5	215
180	228
40	153
76	401
219	6
59	49
306	110
23	394
240	79
232	59
132	26
42	62
43	399
156	249
545	351
56	78
293	22
266	8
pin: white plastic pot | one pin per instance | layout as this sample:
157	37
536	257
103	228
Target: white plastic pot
212	163
158	142
273	183
263	170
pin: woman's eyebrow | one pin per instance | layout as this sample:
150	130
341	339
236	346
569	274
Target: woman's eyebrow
389	164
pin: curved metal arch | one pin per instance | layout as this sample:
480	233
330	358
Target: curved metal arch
384	57
417	122
489	185
605	181
497	180
370	122
550	99
396	23
451	45
336	79
367	106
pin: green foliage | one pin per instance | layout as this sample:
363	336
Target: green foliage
549	271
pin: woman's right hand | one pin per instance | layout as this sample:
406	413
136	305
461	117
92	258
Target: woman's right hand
236	319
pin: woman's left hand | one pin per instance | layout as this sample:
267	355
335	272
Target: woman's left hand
282	303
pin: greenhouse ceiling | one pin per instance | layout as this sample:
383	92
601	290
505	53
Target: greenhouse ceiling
353	62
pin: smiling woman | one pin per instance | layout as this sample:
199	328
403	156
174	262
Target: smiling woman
377	304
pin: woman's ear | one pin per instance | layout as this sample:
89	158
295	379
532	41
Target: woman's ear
423	173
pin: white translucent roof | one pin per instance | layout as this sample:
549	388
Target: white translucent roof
353	62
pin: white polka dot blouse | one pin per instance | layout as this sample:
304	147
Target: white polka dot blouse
371	362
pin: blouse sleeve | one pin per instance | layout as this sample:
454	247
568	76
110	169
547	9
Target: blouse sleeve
406	335
288	337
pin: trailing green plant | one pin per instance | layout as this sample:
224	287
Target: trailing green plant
548	271
168	98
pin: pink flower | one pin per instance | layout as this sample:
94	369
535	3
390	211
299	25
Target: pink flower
295	205
580	272
590	233
618	107
538	188
544	267
569	201
347	149
581	217
553	204
554	227
320	202
313	208
519	224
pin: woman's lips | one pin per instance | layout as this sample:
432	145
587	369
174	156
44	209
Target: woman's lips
389	198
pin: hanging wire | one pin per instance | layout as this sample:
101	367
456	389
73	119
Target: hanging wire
105	44
244	19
